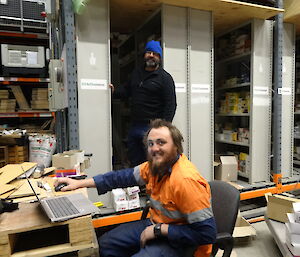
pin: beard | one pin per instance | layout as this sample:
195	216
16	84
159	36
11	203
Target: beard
151	62
162	168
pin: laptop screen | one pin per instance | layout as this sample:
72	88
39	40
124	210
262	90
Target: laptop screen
30	184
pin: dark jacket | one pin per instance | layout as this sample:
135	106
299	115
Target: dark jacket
152	95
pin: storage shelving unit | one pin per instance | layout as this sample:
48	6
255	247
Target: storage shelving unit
296	150
22	87
243	97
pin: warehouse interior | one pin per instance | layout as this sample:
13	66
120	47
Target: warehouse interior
236	72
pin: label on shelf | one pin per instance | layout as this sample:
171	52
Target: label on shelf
96	84
284	91
201	88
180	87
260	90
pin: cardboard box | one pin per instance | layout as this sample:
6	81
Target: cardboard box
65	161
278	206
243	228
227	168
119	195
291	237
120	205
295	248
78	153
132	190
133	204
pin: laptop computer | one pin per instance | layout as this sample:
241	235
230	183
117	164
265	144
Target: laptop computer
61	208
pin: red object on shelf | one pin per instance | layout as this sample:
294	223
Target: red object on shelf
26	114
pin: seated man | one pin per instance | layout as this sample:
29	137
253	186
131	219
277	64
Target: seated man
180	213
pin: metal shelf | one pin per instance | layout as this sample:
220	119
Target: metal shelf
296	162
242	174
32	114
232	142
246	84
24	35
235	58
20	79
259	143
233	114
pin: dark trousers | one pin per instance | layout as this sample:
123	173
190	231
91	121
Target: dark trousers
136	148
124	241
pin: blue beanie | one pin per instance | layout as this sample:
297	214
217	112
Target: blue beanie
154	46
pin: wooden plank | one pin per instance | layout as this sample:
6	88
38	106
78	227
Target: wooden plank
226	13
51	250
80	231
292	13
18	93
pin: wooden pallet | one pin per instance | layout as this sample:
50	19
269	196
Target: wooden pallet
28	232
3	156
17	154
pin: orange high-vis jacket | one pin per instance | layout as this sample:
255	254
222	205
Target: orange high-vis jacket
181	198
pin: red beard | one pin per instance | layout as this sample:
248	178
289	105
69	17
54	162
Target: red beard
162	168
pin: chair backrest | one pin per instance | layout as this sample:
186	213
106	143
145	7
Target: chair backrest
225	205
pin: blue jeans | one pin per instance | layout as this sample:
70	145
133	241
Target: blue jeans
124	241
136	148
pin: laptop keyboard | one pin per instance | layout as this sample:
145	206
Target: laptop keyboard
62	207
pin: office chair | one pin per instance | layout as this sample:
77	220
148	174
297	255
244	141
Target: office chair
225	205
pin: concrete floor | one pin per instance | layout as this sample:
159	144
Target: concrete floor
263	245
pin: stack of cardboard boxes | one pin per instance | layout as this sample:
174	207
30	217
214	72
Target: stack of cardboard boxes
39	99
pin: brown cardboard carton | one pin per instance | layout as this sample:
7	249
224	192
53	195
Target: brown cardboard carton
227	168
243	228
278	206
65	161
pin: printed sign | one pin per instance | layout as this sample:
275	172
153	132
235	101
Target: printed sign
96	84
201	88
261	91
284	91
180	87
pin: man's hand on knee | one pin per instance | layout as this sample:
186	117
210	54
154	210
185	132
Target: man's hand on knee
147	234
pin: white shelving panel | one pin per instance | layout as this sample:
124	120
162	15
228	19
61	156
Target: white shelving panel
296	103
187	39
258	120
288	82
175	50
201	91
261	76
93	71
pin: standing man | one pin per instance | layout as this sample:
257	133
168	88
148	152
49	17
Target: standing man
152	93
180	215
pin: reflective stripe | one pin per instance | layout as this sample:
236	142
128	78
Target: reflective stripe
137	176
170	214
200	215
193	217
